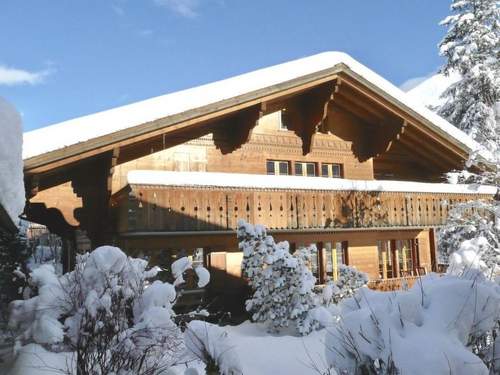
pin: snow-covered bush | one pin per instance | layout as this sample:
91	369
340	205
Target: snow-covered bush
212	345
282	283
348	282
426	330
108	310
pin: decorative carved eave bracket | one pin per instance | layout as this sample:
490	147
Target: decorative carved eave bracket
308	111
386	134
233	131
51	217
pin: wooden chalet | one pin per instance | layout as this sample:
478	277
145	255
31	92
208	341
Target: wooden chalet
320	150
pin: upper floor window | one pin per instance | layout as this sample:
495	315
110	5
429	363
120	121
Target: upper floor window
331	170
305	169
284	120
277	167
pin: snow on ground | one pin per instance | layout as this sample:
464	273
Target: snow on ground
264	354
241	180
33	359
259	353
11	164
91	126
429	91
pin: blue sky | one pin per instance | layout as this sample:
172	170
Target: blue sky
61	59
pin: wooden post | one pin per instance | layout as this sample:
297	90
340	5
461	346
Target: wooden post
334	263
433	249
384	263
321	263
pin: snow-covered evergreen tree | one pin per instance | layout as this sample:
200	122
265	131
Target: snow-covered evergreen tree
471	47
282	283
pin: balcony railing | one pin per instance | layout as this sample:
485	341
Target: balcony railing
165	207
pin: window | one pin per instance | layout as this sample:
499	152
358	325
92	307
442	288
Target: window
331	170
385	263
305	169
284	120
334	256
277	167
408	256
398	258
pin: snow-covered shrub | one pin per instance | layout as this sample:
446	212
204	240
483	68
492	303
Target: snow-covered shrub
348	282
282	283
181	265
212	345
108	310
426	330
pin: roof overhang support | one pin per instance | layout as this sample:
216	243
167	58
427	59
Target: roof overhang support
233	131
308	111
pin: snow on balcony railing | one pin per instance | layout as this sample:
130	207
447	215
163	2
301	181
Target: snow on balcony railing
256	181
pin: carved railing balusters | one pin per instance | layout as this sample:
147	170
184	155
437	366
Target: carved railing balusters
156	208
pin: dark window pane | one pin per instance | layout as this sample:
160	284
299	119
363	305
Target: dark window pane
270	167
298	169
336	170
284	120
283	167
340	253
310	169
324	170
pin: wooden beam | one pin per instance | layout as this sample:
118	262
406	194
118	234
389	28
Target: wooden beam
99	145
425	153
390	106
419	140
362	103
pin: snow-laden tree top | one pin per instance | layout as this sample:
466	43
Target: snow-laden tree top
12	196
82	129
472	48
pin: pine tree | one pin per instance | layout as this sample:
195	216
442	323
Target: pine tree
471	47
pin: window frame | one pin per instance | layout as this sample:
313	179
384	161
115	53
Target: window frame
330	169
277	167
304	165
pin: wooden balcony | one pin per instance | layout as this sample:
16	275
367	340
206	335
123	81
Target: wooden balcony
169	208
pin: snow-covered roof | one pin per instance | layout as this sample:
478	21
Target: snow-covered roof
84	128
256	181
12	196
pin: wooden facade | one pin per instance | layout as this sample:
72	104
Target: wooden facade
303	127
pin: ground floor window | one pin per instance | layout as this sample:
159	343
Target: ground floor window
325	263
398	258
334	254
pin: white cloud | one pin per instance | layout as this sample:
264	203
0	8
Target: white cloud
186	8
13	76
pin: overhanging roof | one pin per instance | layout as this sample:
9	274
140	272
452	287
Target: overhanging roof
105	130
